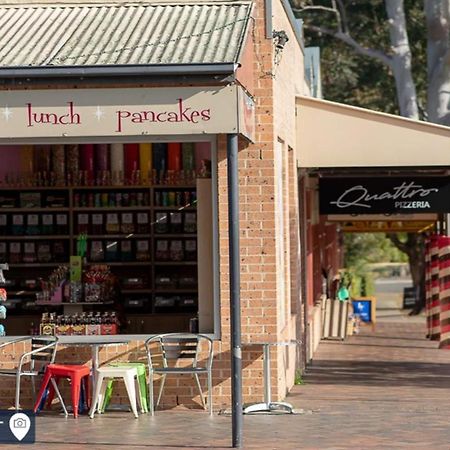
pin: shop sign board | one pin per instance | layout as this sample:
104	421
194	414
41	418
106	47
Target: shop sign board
365	308
247	124
119	112
420	217
377	195
386	226
409	297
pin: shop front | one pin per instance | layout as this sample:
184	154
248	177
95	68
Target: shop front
103	198
369	172
114	188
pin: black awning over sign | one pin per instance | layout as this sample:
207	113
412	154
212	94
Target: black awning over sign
384	195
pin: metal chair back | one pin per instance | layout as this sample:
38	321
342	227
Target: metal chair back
180	346
43	351
174	347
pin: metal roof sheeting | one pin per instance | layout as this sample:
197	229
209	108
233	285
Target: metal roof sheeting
98	35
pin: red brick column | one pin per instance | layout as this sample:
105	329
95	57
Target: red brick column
444	291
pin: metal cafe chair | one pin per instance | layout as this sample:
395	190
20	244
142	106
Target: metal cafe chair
31	363
173	348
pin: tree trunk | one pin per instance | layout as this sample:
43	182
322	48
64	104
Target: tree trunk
414	247
438	60
401	59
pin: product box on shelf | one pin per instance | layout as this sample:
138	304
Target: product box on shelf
112	223
30	200
108	329
142	223
161	225
3	252
78	330
162	250
126	250
187	302
132	302
48	224
55	200
165	281
61	224
63	330
93	330
176	222
190	249
18	225
97	223
165	302
133	282
29	255
15	252
3	224
142	251
44	253
83	223
47	329
7	201
187	282
32	227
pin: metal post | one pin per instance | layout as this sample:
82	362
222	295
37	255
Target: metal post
267	384
235	307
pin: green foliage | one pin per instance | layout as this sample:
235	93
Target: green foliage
359	80
298	380
362	249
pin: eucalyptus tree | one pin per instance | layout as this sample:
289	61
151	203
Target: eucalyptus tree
377	50
385	39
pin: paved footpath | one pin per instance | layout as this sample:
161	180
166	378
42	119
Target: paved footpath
388	389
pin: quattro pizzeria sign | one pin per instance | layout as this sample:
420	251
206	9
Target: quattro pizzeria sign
119	112
384	195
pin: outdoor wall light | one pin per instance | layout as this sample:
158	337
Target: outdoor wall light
280	38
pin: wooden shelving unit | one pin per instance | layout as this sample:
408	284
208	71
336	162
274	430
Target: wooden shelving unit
147	270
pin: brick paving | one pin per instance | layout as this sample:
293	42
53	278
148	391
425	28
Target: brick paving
382	389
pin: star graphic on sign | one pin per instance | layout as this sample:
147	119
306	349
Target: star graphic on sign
99	113
7	113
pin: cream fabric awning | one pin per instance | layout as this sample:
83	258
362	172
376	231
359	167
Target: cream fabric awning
336	135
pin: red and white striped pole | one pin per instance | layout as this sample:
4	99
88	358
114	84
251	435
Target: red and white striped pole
444	291
428	285
434	306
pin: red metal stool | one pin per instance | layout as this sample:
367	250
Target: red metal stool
76	373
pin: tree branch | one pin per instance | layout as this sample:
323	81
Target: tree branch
347	39
338	16
402	246
314	7
343	15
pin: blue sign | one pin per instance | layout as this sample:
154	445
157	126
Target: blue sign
17	427
363	308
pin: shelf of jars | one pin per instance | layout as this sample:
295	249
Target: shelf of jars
141	224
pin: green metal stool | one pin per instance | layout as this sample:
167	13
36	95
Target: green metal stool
142	380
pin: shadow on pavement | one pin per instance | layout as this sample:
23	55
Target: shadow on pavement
379	373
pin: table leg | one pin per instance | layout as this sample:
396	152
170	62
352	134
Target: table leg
95	364
266	372
267	405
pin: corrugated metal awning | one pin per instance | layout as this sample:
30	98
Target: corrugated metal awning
45	36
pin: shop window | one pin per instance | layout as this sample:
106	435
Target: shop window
106	234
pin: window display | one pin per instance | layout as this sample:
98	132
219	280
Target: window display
136	206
